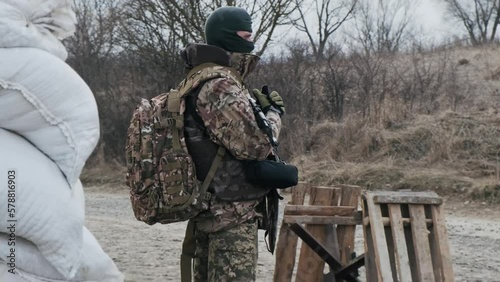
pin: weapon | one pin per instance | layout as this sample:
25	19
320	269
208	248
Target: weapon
262	120
273	197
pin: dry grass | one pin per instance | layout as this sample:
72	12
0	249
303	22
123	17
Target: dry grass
108	177
447	153
455	150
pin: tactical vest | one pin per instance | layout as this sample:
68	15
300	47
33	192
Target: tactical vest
229	182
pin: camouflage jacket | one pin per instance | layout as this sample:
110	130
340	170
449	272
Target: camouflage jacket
229	121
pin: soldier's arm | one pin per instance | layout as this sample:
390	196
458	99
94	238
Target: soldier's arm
230	121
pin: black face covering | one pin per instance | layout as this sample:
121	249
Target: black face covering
222	26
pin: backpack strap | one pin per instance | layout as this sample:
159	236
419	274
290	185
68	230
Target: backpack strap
188	252
208	71
189	243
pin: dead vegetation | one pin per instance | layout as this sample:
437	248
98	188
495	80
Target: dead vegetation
386	112
394	145
447	153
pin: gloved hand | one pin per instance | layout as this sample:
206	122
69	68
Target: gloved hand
268	100
262	99
276	101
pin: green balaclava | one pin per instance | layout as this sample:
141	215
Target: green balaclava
221	28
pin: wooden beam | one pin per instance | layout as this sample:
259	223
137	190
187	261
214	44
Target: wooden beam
318	210
387	221
322	252
286	248
440	236
321	220
345	233
420	236
379	241
398	235
370	260
416	198
311	266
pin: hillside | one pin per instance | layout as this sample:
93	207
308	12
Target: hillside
455	149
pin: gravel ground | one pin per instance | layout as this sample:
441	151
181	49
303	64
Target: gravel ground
151	253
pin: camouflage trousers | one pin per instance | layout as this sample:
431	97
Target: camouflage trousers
228	255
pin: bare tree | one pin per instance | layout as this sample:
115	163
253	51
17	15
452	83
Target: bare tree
94	54
329	16
94	39
336	80
183	21
479	17
385	26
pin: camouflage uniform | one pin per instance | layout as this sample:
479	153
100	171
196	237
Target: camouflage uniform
226	234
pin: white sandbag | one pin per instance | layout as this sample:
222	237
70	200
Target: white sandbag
45	101
6	276
48	213
32	266
39	24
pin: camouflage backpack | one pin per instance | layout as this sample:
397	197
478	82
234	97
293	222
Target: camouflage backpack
160	172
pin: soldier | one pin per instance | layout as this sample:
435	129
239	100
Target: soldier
219	114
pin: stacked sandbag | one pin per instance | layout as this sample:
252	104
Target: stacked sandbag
42	98
95	266
40	24
46	210
46	102
48	128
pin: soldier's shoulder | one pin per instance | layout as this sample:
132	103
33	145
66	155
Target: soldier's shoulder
221	85
219	89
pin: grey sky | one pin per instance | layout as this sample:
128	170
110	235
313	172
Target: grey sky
429	15
432	16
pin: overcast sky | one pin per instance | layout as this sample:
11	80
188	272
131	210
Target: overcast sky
430	15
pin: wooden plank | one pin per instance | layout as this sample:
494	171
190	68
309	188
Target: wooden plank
331	240
406	221
436	256
286	248
398	236
320	250
370	263
390	243
441	240
379	241
405	213
345	233
370	260
311	266
321	220
298	194
391	197
318	210
420	236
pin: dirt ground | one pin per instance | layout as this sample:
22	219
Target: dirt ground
151	253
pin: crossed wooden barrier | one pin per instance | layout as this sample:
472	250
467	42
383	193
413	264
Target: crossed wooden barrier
404	236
